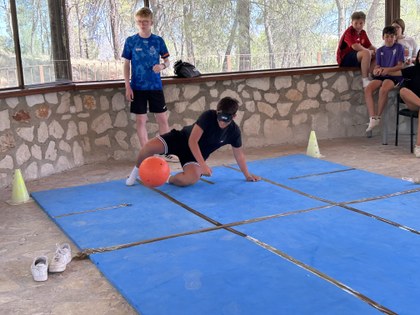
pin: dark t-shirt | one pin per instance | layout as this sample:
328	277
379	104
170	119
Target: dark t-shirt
213	136
412	78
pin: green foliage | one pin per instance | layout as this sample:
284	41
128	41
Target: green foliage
410	13
34	27
300	33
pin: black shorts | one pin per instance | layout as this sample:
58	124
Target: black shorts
350	60
176	143
397	80
156	101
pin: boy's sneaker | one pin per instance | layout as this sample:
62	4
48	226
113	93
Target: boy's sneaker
169	158
39	268
134	175
373	122
61	258
417	151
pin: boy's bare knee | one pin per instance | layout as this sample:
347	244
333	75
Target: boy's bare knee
193	178
184	182
161	117
403	91
192	181
365	54
385	88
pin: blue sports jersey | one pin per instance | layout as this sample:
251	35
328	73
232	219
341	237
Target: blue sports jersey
144	53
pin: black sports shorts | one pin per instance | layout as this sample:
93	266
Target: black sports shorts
156	101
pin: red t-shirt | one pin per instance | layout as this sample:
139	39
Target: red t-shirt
350	37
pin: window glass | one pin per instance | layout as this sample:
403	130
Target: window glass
217	35
8	76
240	35
97	31
410	13
35	41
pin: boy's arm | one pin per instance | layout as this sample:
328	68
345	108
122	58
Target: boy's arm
128	91
395	73
162	66
355	45
377	70
239	155
373	48
166	63
195	136
388	70
358	47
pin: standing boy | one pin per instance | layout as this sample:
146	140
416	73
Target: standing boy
193	145
142	53
355	48
389	58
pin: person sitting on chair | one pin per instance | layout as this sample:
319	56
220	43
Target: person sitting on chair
410	92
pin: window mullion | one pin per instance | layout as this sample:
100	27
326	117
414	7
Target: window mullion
18	55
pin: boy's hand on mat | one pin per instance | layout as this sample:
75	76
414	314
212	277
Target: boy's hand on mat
253	178
205	170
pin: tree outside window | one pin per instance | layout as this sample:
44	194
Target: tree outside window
215	35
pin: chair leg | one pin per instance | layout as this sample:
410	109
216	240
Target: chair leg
398	121
411	134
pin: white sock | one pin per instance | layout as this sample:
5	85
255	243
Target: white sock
133	176
365	82
135	171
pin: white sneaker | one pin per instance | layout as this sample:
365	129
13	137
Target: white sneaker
39	268
417	151
373	122
132	177
169	158
61	259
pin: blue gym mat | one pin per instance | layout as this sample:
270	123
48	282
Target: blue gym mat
404	209
132	215
229	198
376	259
313	237
326	180
220	273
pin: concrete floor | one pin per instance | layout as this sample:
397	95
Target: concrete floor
26	231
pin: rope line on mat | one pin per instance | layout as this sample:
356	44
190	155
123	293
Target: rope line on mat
323	276
346	203
121	205
323	173
89	251
86	252
207	181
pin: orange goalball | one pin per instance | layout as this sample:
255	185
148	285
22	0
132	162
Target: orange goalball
154	171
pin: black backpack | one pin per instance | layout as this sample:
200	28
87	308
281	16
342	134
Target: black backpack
185	70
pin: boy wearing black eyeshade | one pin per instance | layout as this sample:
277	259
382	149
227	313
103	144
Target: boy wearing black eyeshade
193	144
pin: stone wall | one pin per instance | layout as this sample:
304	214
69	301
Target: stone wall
48	133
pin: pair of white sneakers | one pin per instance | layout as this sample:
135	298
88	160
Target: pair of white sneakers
61	259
